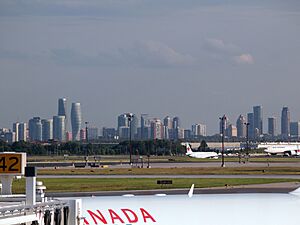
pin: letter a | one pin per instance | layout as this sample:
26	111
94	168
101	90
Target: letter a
146	215
114	216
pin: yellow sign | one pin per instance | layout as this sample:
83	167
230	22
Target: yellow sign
11	163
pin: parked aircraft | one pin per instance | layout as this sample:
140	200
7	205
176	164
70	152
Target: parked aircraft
203	209
199	155
285	149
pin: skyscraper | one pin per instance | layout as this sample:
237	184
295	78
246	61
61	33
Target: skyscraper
47	129
176	122
241	127
145	127
76	121
62	110
59	130
250	121
157	130
272	126
22	132
258	119
285	122
35	129
223	124
295	129
62	107
16	130
198	130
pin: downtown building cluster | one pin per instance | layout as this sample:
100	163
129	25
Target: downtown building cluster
130	126
142	127
42	130
252	126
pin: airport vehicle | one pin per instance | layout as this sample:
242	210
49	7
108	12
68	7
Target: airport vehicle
203	209
199	155
285	149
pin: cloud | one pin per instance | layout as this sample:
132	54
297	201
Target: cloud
244	59
151	53
218	45
144	54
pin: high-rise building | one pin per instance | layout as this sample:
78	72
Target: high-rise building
272	126
285	122
16	130
59	130
241	127
134	126
62	109
176	122
35	129
76	121
22	132
157	129
47	130
258	119
251	130
295	129
109	133
231	131
168	122
223	124
198	130
92	133
145	130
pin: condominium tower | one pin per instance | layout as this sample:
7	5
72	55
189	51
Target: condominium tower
76	121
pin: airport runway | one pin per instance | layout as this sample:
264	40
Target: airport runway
255	188
173	176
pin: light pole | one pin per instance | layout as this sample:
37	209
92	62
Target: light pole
130	117
247	136
222	119
86	139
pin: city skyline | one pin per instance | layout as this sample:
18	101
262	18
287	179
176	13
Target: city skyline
255	120
197	60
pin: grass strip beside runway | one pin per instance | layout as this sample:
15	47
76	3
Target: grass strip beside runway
118	184
173	171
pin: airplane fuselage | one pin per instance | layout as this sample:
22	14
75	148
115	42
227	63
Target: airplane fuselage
211	209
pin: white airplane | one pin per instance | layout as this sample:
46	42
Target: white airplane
203	209
285	149
199	155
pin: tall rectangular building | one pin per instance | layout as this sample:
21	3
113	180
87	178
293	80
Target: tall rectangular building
59	130
285	122
251	130
295	129
272	126
22	132
258	119
47	129
16	130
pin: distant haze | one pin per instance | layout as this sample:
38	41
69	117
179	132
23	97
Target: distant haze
194	59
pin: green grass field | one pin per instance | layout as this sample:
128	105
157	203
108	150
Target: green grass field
115	184
171	171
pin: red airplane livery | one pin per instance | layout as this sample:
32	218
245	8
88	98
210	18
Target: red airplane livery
120	216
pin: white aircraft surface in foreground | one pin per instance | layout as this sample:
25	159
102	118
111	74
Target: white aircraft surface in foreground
199	155
203	209
285	149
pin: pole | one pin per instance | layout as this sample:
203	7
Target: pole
247	143
222	133
86	138
130	116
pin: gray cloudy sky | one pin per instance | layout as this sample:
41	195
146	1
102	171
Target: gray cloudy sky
197	59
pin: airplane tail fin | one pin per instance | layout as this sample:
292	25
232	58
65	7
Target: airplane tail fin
188	148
